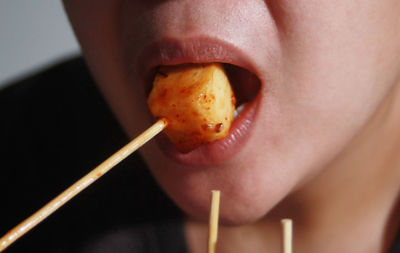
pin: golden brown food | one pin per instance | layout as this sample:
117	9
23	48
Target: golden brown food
196	99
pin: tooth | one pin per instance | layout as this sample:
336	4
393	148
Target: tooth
239	109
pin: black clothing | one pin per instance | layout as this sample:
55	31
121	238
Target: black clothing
54	128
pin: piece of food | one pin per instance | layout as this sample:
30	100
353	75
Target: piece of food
196	99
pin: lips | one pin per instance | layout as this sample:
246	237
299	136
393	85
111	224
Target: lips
243	77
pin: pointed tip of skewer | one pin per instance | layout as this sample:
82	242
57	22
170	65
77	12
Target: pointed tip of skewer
164	121
215	193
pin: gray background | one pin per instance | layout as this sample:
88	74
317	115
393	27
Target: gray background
33	34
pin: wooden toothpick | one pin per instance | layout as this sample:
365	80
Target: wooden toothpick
287	235
213	227
81	184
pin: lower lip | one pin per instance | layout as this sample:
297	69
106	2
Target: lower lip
220	151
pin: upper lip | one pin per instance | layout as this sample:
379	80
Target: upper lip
202	49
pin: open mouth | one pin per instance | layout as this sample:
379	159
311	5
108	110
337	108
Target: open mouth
245	86
244	82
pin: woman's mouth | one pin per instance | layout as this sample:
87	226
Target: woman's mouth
244	81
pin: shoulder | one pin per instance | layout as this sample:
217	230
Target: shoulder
55	128
62	77
57	102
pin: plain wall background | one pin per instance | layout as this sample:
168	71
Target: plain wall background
33	34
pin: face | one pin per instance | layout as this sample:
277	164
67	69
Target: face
324	67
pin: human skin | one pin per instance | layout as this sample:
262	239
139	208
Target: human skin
323	137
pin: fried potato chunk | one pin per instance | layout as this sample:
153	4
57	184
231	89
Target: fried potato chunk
196	99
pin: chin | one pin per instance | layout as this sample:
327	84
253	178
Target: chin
246	197
234	210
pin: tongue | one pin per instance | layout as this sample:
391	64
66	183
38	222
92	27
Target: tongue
245	84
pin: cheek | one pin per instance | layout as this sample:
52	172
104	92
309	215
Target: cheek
338	61
98	29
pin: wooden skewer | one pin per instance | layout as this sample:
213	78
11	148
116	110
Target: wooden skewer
213	227
287	235
77	187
